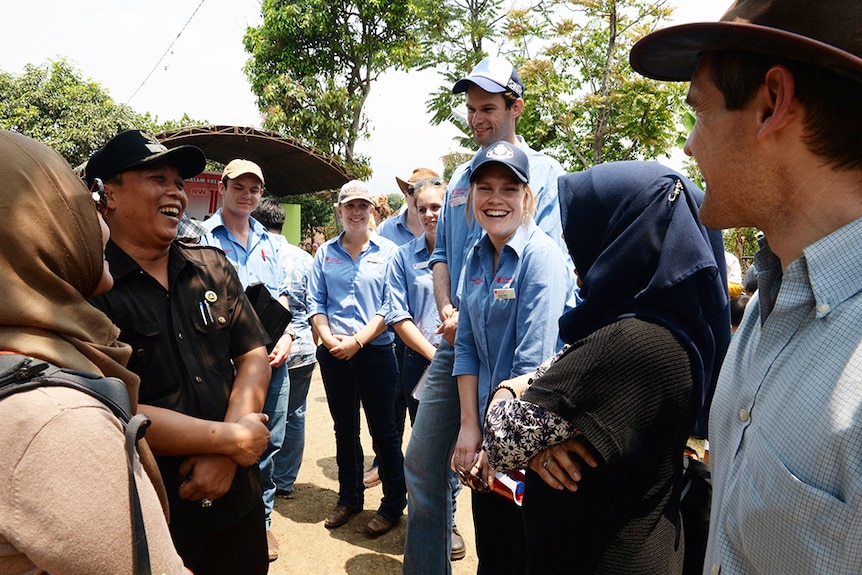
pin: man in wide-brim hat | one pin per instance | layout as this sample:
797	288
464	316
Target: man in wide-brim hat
776	87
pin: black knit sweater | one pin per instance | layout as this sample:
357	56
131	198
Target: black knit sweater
627	387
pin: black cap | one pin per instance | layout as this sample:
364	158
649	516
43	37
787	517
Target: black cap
503	153
134	148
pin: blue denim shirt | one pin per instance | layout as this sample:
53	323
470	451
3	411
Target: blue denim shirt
455	237
413	289
508	321
256	262
350	293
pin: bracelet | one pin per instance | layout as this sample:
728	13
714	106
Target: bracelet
359	343
507	388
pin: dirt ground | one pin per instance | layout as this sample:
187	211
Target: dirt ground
307	547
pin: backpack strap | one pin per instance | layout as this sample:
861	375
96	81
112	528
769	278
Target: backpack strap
21	373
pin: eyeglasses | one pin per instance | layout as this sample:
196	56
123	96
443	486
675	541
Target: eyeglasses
97	192
474	482
411	188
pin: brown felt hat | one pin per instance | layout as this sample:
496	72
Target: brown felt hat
825	33
418	175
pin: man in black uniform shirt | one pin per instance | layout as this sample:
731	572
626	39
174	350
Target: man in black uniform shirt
198	348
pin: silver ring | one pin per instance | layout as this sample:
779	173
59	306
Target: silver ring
546	463
206	502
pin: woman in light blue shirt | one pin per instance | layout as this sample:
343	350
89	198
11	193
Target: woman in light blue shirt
516	285
414	313
348	301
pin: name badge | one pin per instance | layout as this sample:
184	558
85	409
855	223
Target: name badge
420	265
458	201
375	260
504	293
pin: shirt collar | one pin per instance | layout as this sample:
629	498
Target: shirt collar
517	243
833	267
217	221
829	266
122	264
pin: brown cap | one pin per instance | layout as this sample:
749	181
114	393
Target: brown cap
418	175
237	168
824	34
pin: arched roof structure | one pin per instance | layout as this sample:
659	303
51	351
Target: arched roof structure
290	168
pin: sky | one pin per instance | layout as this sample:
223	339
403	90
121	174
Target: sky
120	45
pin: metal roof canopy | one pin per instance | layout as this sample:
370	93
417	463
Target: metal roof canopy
289	167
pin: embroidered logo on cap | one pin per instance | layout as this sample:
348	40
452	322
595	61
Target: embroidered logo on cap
500	152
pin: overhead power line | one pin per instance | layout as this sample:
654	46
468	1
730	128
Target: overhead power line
174	41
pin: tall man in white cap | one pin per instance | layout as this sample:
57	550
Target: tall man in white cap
198	348
255	255
494	103
776	87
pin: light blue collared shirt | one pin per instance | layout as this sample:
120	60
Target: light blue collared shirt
350	293
395	229
785	426
508	321
455	236
413	289
257	262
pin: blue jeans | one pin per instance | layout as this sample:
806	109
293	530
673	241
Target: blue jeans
289	458
367	378
429	476
275	407
411	371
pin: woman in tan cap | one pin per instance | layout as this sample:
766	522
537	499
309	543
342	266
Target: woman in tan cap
348	301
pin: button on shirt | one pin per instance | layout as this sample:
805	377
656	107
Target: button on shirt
786	420
508	323
413	289
257	262
350	293
455	237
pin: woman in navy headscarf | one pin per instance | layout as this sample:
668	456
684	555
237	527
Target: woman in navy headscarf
645	347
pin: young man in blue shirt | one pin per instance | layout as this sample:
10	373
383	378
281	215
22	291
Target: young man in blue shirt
494	103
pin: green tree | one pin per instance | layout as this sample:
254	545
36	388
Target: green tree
395	202
584	103
454	35
54	104
313	63
316	213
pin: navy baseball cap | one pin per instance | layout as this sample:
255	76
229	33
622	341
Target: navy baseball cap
492	74
133	149
503	153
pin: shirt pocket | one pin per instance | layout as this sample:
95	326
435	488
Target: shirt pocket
209	318
144	335
780	522
212	323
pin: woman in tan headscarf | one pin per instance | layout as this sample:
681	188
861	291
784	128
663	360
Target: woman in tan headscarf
64	484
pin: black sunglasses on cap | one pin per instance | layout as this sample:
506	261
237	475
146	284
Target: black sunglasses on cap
412	187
